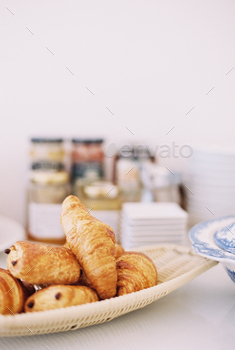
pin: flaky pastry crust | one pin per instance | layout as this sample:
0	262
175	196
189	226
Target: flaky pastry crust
93	243
43	264
59	296
135	272
13	294
119	250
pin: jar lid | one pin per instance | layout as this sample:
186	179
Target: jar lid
88	141
49	178
156	176
46	140
101	189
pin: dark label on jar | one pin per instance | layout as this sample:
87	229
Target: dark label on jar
87	170
46	165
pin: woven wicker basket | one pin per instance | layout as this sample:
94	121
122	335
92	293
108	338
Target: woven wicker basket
176	266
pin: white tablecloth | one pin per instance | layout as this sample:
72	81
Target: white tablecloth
199	315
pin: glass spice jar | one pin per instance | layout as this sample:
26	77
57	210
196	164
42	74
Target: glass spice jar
47	154
127	172
163	185
87	159
46	192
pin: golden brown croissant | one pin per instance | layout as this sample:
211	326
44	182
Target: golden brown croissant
42	264
119	250
135	272
13	294
59	296
93	244
66	245
84	280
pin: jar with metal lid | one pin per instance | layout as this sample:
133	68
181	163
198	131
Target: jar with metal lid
127	172
103	199
46	192
87	159
47	154
162	184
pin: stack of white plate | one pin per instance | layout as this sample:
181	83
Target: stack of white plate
210	184
152	223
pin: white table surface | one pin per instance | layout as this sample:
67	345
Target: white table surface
199	315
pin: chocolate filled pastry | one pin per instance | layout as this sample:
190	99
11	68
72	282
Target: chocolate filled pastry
59	296
13	294
135	272
93	244
42	264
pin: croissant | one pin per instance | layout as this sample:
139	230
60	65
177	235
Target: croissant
83	280
119	250
59	296
42	264
13	294
93	244
135	272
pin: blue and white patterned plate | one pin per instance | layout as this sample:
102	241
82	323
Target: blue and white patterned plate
202	237
225	238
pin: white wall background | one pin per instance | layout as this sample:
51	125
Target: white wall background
148	61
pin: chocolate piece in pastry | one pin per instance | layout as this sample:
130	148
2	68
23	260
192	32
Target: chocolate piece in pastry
59	296
135	272
43	264
13	294
93	244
